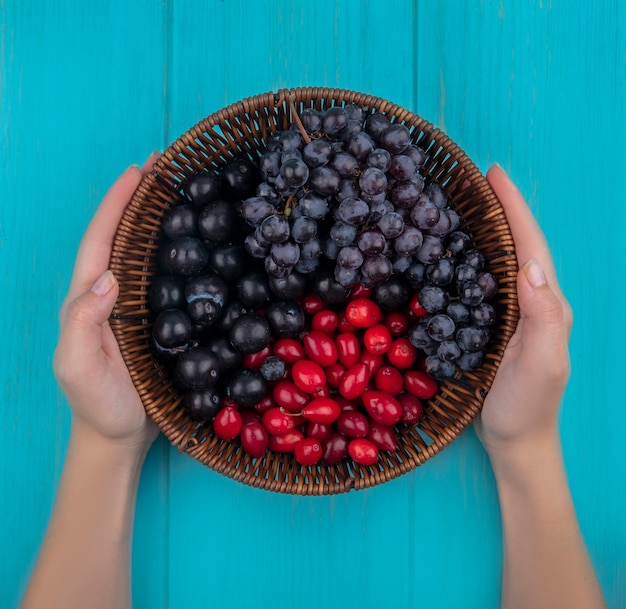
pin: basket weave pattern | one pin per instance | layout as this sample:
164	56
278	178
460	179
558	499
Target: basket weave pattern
242	129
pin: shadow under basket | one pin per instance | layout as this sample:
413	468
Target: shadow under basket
242	129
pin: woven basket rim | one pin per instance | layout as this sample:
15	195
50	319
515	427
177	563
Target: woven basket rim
240	128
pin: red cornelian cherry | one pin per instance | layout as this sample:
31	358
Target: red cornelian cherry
322	392
254	360
363	451
227	423
335	448
320	348
285	443
319	431
308	451
389	379
402	354
334	374
348	349
264	404
289	350
373	361
377	339
290	397
412	408
397	323
360	291
382	406
254	439
382	436
417	310
277	422
322	410
354	381
325	321
363	313
345	404
420	384
345	325
312	304
308	376
353	424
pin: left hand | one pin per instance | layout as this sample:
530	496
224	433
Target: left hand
87	363
522	406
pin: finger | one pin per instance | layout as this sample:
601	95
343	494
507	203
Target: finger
101	230
529	239
82	332
150	161
95	248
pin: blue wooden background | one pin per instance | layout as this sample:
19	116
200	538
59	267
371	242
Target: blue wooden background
89	87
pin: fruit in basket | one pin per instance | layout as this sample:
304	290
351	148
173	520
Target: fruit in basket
327	287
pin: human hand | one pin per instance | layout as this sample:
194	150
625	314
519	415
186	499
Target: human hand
88	364
522	406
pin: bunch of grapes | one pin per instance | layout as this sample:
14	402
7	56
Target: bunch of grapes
343	200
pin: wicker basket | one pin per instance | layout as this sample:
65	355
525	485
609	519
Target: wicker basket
242	128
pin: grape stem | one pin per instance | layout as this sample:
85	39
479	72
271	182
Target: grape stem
289	204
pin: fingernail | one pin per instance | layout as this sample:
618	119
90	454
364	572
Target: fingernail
534	273
104	283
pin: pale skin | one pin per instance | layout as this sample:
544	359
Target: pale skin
546	564
84	560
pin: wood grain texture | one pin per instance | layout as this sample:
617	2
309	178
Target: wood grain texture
88	88
546	83
81	99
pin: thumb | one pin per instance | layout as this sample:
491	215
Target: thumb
82	327
544	332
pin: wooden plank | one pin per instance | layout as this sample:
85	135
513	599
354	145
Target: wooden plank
539	87
80	99
253	544
225	51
